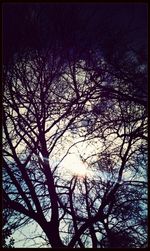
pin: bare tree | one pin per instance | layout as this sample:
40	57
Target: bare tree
55	100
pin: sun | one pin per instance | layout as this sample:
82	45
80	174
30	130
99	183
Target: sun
75	166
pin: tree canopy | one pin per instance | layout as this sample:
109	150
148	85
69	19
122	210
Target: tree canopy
75	139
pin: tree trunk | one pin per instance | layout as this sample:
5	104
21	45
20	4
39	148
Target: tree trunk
52	233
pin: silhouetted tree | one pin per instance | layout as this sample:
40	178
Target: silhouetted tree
60	98
7	240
